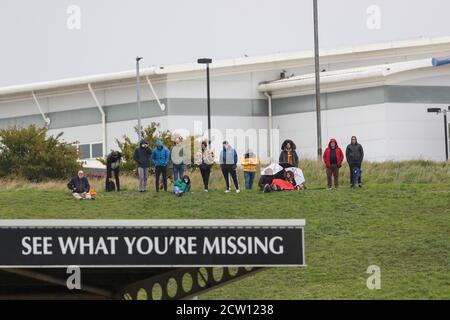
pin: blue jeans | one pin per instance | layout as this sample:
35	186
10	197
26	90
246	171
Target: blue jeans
249	177
178	171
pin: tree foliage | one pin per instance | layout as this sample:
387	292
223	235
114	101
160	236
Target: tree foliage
150	134
31	154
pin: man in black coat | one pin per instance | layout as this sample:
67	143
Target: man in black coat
80	186
143	156
355	155
113	165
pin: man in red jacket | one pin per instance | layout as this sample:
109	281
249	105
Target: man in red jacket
333	157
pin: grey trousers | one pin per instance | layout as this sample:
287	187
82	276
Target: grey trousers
143	175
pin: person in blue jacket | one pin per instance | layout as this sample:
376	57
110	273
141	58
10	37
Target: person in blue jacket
160	158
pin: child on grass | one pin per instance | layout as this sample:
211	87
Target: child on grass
181	186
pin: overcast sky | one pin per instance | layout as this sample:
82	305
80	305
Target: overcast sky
37	44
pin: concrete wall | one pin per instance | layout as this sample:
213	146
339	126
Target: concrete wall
391	120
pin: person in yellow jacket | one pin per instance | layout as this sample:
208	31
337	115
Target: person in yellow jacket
249	163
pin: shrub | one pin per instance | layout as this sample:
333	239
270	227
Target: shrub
31	154
151	134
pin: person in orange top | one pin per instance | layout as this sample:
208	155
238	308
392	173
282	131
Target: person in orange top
249	163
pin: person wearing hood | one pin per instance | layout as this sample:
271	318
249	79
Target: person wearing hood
288	156
160	158
333	157
113	165
355	155
142	156
228	164
181	186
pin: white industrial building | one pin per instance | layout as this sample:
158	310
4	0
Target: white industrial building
378	92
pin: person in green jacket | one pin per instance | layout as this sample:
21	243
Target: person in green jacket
181	186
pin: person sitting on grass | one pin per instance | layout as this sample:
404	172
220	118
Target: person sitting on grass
182	186
286	184
290	177
80	186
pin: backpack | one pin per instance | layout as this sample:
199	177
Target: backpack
92	192
110	186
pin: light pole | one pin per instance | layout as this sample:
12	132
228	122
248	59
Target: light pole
317	73
207	61
138	93
444	111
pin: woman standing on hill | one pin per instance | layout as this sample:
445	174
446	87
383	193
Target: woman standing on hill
288	156
205	159
333	157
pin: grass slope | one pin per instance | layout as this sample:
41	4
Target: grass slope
402	225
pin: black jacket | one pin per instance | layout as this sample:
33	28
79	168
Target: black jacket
143	156
354	153
284	159
110	160
78	185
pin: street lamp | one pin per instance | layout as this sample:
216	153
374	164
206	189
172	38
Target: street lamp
138	93
317	73
207	61
444	111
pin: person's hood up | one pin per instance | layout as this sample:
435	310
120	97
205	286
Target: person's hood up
333	140
356	140
159	144
283	146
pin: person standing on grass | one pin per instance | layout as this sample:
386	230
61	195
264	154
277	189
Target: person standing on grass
178	156
142	155
249	163
113	165
355	155
79	185
204	158
333	157
228	164
160	158
288	156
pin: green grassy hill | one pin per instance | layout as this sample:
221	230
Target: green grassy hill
399	221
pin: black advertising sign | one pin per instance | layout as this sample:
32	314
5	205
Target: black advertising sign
151	243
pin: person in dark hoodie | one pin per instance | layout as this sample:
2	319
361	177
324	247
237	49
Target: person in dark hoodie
79	185
113	165
160	158
142	155
355	155
228	163
288	156
333	157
